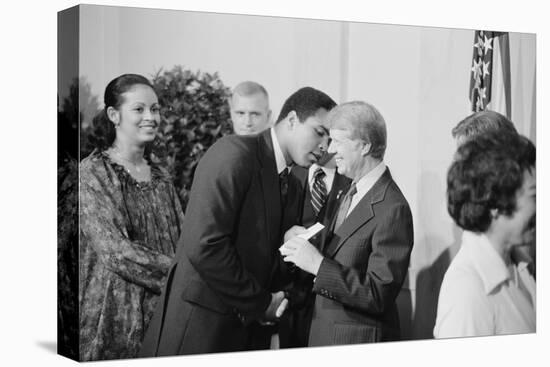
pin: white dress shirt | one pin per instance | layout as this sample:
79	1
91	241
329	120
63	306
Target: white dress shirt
366	183
279	156
328	178
480	295
281	165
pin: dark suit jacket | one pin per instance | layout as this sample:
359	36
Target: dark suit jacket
227	261
294	326
366	261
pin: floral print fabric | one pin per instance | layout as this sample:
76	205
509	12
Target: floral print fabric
128	236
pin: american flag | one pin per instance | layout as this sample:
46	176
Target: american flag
490	73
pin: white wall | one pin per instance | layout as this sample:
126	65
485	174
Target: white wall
418	77
283	54
522	54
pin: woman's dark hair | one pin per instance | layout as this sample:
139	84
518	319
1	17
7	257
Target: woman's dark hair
486	174
103	130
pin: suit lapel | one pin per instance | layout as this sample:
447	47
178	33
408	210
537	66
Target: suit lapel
300	173
339	187
293	210
360	215
270	186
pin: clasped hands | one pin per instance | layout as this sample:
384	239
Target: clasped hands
300	252
276	308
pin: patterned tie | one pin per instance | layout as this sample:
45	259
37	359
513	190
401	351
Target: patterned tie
283	186
344	206
318	191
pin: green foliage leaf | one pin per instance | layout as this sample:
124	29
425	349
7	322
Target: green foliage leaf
194	115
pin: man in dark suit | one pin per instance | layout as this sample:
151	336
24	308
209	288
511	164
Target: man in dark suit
322	186
227	273
364	259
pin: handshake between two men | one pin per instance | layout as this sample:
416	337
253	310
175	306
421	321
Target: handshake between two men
300	252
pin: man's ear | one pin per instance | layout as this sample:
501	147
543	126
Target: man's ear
113	115
292	119
366	149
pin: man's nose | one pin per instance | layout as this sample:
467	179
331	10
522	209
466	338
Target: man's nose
324	143
331	148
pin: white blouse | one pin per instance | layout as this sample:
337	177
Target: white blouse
480	295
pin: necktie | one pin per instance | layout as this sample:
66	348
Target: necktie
344	206
318	191
283	186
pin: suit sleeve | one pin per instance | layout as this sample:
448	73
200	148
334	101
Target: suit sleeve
221	182
374	290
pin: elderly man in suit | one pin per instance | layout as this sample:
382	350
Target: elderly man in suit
228	271
364	259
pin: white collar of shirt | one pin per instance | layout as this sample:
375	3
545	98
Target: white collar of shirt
366	183
329	175
279	157
486	260
524	279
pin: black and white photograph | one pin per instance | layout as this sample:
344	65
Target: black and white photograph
235	184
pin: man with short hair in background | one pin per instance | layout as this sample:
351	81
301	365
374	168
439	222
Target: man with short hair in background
249	104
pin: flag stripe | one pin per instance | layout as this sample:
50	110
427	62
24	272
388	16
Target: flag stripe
498	98
504	45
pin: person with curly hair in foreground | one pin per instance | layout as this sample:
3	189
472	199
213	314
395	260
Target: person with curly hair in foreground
491	195
484	122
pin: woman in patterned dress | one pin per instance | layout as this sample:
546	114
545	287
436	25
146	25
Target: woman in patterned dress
130	222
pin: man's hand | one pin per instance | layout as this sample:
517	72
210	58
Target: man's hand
277	307
293	232
303	254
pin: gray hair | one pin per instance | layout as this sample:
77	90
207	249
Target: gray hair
364	122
